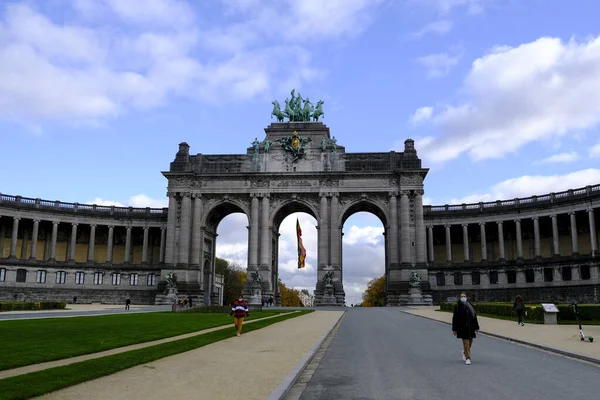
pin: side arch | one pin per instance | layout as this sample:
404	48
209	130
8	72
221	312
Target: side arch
364	205
222	208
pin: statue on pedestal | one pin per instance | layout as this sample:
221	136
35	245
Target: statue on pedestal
328	278
415	280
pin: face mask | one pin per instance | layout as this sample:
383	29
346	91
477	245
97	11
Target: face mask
463	299
240	299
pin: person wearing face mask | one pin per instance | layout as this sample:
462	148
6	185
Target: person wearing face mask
239	311
465	325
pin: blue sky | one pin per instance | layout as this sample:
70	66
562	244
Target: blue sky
502	97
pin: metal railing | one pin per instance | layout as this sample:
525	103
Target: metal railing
30	203
550	198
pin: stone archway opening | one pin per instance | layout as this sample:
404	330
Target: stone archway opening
363	254
225	236
284	247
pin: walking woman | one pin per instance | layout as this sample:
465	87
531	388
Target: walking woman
465	325
519	307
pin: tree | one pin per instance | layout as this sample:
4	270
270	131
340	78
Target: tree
234	278
289	297
374	296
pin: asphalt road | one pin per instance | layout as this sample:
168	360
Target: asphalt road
385	354
50	314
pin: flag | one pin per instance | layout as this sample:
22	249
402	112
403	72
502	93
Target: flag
301	249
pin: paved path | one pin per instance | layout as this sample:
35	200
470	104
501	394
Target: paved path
247	367
385	353
80	310
563	338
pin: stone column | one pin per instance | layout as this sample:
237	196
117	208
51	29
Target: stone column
574	242
483	241
196	230
2	234
91	244
24	240
519	239
254	224
466	241
593	235
323	229
405	227
448	245
555	241
34	239
73	242
336	233
14	237
265	233
536	237
163	234
145	246
127	259
501	240
109	245
185	226
53	243
171	222
420	227
393	237
430	239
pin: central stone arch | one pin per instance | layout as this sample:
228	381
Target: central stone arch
298	167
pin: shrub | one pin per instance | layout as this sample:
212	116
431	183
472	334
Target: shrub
39	305
534	312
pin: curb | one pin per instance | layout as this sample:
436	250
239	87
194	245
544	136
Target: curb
523	342
290	380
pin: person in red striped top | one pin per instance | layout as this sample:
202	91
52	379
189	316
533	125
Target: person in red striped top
239	311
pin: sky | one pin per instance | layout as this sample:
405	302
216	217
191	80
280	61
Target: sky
502	98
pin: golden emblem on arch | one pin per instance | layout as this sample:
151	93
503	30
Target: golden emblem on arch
295	141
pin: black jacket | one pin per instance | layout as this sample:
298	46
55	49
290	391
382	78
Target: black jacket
463	323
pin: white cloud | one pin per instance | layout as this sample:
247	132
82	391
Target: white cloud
112	57
440	27
514	96
367	235
440	64
420	115
530	185
446	6
139	200
560	158
594	151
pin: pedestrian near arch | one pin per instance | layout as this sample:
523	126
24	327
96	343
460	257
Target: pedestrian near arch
465	325
239	311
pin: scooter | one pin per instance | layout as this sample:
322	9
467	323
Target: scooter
581	334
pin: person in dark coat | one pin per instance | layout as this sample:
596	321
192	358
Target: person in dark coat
465	325
519	307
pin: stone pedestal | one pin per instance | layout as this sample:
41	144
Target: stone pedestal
165	299
328	298
415	298
255	296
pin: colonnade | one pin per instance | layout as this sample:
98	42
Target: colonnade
50	254
499	225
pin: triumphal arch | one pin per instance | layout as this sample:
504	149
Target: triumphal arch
297	167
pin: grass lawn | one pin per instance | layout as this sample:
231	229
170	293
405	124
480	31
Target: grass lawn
38	383
34	341
527	321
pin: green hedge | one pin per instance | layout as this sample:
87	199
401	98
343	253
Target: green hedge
208	309
30	305
535	312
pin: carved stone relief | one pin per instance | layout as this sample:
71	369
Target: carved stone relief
411	179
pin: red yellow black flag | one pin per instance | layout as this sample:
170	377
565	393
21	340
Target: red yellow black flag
301	249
